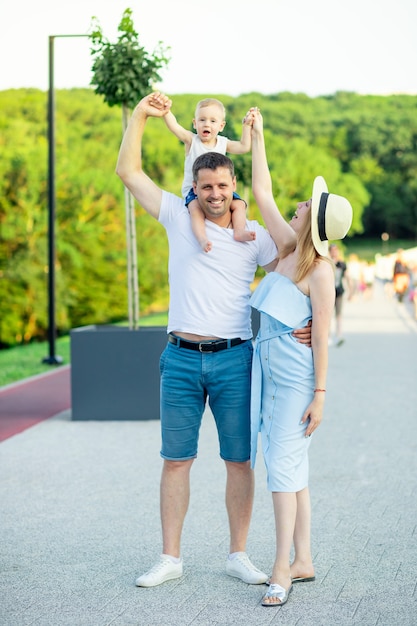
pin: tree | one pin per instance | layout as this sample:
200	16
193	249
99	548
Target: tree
123	73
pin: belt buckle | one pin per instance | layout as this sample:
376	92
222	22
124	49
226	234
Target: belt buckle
208	344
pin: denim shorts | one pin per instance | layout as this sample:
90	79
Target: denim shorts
188	378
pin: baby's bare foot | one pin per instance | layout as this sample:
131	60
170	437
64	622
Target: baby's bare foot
206	245
244	235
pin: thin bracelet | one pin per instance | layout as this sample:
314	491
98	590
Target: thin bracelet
320	390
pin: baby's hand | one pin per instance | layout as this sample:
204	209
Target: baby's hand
250	116
159	101
248	119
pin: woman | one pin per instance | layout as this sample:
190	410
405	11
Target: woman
289	379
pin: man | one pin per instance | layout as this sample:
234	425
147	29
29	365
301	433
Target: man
209	351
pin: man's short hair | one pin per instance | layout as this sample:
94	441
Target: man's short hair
212	161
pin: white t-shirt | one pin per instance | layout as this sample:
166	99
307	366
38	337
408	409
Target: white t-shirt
209	292
196	149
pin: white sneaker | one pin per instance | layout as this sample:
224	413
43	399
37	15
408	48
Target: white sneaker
164	570
241	567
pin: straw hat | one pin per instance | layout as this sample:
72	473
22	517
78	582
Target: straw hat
331	216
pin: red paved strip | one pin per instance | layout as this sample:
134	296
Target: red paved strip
33	400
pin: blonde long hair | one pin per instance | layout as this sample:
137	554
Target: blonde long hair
306	252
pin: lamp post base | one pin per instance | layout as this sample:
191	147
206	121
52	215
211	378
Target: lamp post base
53	360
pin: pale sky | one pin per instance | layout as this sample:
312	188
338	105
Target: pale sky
229	47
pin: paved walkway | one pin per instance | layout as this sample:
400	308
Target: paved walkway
28	402
79	509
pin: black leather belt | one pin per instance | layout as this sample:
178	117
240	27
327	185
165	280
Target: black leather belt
205	346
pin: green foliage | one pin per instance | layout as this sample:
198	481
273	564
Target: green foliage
365	147
123	72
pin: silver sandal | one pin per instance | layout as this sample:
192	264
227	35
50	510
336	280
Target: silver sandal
277	595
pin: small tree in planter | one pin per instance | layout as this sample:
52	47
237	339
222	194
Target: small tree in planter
123	73
114	371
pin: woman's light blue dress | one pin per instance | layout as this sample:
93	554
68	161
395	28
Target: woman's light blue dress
282	383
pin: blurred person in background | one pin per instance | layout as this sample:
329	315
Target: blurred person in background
340	269
354	276
401	276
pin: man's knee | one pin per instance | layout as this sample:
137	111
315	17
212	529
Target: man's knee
234	467
171	466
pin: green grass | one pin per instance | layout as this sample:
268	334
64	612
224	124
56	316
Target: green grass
24	361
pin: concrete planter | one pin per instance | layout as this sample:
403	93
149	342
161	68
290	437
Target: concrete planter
115	372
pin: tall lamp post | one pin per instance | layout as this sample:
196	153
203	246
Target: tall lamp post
52	358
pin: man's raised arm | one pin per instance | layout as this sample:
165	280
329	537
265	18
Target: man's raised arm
129	163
